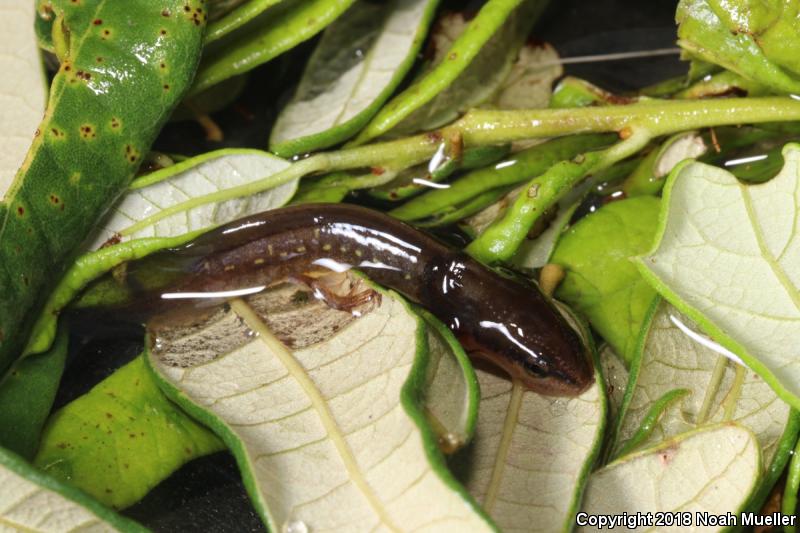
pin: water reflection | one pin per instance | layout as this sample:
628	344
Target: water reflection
705	340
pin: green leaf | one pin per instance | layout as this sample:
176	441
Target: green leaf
712	470
286	25
322	409
359	61
33	501
726	255
128	233
97	126
452	393
469	71
23	95
756	39
27	392
600	280
532	454
177	185
230	15
674	355
121	439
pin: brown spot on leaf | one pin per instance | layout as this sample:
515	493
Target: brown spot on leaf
97	22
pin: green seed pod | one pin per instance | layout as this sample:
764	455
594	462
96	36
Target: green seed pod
123	70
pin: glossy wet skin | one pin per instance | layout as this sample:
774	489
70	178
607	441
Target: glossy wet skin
507	322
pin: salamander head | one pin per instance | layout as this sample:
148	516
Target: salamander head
511	324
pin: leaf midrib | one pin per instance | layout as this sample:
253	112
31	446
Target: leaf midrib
332	429
758	233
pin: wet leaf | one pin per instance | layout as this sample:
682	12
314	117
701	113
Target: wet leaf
359	61
721	390
322	408
179	184
121	439
726	255
758	40
472	62
283	27
601	281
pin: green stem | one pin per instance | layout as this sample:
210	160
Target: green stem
789	503
659	117
711	390
732	399
651	419
486	127
500	240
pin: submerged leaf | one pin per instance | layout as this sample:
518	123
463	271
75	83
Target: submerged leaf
359	61
727	255
322	408
121	439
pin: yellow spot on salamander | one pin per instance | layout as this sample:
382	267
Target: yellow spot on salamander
326	247
258	261
301	249
228	268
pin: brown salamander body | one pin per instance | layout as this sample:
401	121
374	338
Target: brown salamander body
508	322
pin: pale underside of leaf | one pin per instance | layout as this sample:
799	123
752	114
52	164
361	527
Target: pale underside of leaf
450	398
529	84
326	437
528	457
206	174
28	506
671	359
479	81
535	253
23	87
359	59
712	470
728	256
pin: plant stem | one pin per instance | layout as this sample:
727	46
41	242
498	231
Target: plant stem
500	240
485	127
659	117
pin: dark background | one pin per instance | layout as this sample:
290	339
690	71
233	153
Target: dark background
207	494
